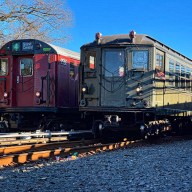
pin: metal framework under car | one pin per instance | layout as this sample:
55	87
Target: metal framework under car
134	83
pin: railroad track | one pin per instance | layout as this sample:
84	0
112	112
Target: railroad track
27	153
12	155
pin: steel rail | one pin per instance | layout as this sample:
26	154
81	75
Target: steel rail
30	141
43	146
63	152
38	134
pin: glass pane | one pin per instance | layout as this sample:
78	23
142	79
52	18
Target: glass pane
188	72
159	62
159	67
4	67
92	62
114	61
182	71
177	75
140	60
26	67
171	68
171	73
72	70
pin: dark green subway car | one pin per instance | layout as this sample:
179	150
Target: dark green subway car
134	83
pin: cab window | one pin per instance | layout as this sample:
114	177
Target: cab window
114	62
26	67
159	65
3	66
140	60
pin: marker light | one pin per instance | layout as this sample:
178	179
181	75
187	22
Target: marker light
139	88
98	36
5	94
84	88
132	34
38	94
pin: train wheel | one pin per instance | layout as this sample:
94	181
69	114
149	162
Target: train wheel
97	129
3	127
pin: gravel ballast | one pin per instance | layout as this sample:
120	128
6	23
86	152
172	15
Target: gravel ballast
152	168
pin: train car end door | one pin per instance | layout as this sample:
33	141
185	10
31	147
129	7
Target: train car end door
24	81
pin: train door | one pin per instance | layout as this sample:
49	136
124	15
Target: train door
4	79
24	80
113	78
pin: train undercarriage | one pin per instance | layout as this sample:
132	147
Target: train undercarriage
36	120
137	124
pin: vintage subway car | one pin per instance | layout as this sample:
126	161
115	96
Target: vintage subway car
38	85
134	83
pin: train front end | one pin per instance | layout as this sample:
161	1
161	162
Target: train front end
117	83
38	85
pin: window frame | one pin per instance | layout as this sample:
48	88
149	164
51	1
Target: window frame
145	63
6	67
20	67
160	64
120	68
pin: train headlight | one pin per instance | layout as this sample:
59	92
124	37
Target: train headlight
139	89
84	88
5	95
38	94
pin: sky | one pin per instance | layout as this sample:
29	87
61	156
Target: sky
168	21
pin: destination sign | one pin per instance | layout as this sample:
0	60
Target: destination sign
27	46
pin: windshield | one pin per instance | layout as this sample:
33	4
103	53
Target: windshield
114	62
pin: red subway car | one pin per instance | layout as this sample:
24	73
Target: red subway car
38	85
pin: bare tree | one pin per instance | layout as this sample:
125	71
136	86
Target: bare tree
40	19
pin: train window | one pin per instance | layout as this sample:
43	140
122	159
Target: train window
182	71
183	74
140	60
159	67
188	76
177	74
171	73
72	70
3	66
114	62
91	60
26	67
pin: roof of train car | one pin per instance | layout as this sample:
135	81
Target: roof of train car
124	39
66	52
54	49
